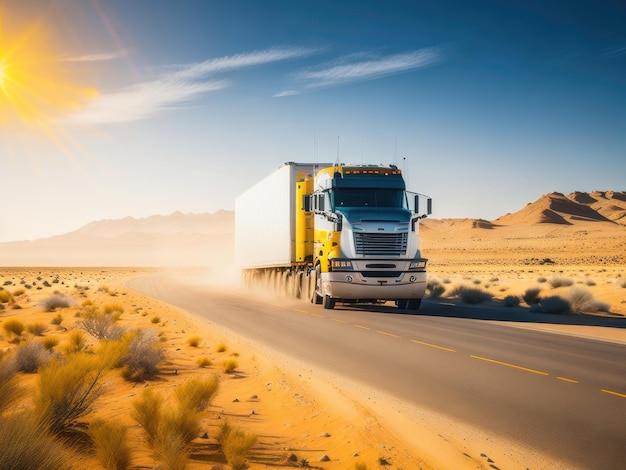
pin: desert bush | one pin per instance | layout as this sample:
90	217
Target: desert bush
531	295
13	326
203	361
29	357
101	325
155	319
471	295
36	328
222	432
434	288
10	390
360	466
55	301
230	364
178	423
560	281
143	355
196	394
110	443
623	285
49	342
18	292
511	301
67	389
57	319
194	341
25	444
113	308
147	412
5	296
221	347
554	304
76	342
173	453
541	280
236	446
582	301
590	282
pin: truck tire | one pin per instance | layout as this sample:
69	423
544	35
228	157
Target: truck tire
329	303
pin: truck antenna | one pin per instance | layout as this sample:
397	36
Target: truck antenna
337	159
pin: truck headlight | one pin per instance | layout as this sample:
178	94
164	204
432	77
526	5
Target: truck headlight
341	265
417	264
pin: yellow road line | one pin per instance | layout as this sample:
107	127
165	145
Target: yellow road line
339	321
301	311
614	393
361	326
564	379
431	345
510	365
318	315
388	334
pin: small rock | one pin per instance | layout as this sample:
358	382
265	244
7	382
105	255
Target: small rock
356	454
324	458
236	400
205	436
325	435
254	397
252	412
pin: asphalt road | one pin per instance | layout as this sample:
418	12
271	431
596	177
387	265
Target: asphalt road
562	395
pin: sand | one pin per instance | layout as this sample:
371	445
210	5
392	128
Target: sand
300	416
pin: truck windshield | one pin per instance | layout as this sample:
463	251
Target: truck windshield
369	197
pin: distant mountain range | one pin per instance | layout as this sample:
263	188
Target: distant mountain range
207	239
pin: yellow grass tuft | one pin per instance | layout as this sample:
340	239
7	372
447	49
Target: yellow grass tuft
194	341
111	444
230	365
196	394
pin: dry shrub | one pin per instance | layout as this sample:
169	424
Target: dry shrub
100	325
143	354
155	319
113	308
10	391
194	341
18	292
25	444
76	342
235	445
511	301
57	319
50	342
147	412
230	364
223	432
196	394
111	444
67	389
178	423
435	289
203	361
174	453
30	356
531	295
554	304
36	328
221	347
55	301
560	281
471	295
5	296
13	326
360	466
582	301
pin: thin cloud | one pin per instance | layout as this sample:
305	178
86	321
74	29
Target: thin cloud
614	52
98	57
352	69
179	85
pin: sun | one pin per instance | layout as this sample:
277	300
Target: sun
37	86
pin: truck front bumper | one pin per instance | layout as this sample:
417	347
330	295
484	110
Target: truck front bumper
354	285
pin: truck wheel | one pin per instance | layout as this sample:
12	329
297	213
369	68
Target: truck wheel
414	304
329	303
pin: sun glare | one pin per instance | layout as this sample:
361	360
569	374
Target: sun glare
37	87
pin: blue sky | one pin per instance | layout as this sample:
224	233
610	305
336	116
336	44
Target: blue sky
485	105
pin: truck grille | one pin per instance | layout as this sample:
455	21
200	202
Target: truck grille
371	244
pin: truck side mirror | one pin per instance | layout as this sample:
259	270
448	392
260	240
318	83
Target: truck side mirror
429	206
306	203
417	204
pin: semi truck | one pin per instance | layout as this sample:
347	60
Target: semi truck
333	233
